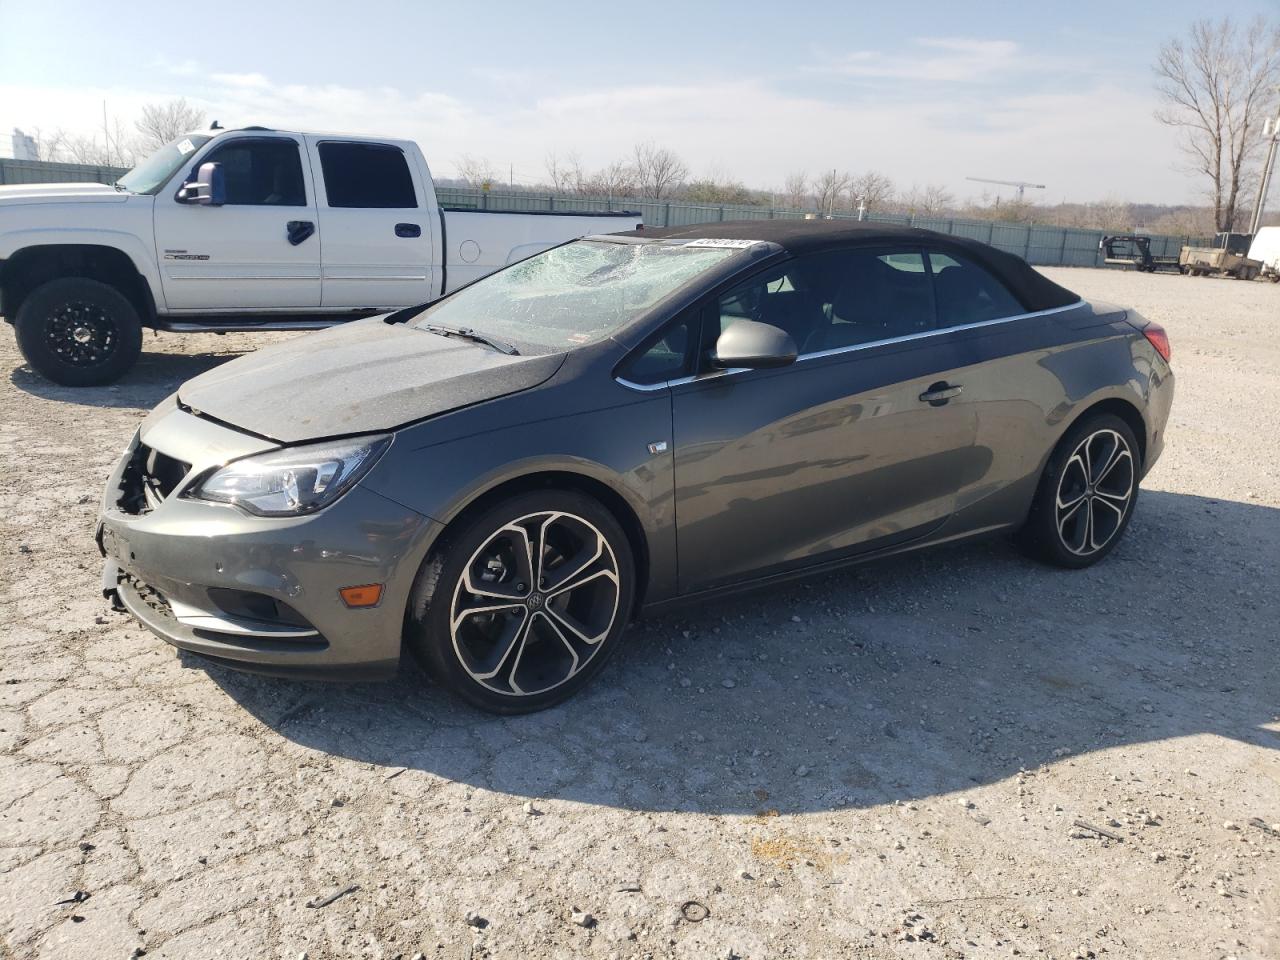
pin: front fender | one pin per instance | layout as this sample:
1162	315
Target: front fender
608	447
14	242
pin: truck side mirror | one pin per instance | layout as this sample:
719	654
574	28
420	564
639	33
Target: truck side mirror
207	189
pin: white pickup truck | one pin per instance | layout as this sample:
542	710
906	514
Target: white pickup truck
249	229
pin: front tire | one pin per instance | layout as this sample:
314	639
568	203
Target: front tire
1086	495
78	332
524	603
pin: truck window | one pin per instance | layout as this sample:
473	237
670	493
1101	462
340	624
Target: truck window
261	173
370	175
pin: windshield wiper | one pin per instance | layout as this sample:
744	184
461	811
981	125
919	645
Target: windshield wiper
466	333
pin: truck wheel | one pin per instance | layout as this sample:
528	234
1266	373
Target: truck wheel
78	332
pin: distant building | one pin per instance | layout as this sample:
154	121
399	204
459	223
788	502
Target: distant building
24	147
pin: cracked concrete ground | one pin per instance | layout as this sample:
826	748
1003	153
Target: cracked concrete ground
896	770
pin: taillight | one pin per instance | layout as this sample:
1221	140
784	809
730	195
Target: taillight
1158	338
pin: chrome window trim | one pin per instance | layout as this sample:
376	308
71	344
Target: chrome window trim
836	351
643	387
934	333
678	381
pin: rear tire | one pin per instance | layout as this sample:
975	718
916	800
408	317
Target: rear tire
78	332
1086	496
523	604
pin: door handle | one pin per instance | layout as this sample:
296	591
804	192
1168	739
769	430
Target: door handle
408	230
299	230
939	393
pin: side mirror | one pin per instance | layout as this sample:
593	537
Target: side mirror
754	345
207	189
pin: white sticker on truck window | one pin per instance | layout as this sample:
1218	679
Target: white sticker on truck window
730	244
185	147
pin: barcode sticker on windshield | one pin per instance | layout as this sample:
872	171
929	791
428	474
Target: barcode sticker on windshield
185	147
730	244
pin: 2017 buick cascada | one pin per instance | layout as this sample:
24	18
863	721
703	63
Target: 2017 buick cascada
501	480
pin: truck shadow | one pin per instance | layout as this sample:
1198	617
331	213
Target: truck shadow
908	678
154	377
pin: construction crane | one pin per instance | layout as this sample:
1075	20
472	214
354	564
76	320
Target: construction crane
1020	184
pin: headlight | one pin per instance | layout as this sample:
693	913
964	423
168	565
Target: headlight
295	480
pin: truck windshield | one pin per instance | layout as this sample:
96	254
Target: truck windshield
574	294
154	172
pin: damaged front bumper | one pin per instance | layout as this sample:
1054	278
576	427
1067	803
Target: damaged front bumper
257	593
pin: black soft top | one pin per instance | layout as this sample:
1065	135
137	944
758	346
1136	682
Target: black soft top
1034	289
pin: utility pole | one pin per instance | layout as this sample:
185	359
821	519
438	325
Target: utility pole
106	134
1271	131
831	197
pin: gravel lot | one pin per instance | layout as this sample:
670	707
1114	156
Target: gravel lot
883	762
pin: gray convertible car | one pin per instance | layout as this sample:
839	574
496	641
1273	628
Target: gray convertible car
503	479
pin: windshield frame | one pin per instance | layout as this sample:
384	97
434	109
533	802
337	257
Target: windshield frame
175	164
630	330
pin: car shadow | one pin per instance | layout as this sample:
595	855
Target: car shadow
911	677
154	377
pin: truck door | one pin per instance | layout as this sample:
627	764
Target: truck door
258	249
374	215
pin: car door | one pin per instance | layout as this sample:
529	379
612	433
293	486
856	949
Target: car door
258	250
863	442
373	211
1018	374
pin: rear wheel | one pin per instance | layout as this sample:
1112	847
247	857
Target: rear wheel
78	332
521	607
1086	495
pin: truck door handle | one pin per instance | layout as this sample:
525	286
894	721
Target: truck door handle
299	230
939	393
408	230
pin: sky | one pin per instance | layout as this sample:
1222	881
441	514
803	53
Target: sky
926	93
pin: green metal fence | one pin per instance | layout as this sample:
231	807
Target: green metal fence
41	171
1043	245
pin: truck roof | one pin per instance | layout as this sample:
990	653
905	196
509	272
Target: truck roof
336	134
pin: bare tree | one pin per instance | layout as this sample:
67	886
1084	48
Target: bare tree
1184	221
1217	85
795	189
563	174
829	187
617	179
78	148
1112	214
718	187
930	200
658	170
162	122
48	145
873	189
476	171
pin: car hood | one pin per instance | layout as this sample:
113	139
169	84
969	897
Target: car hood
61	193
358	378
